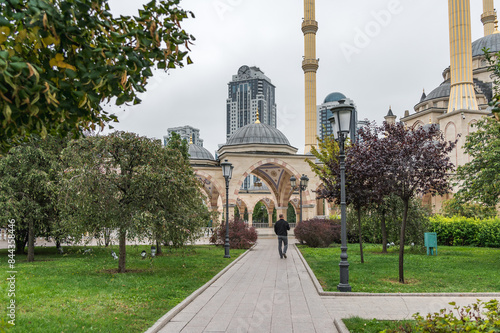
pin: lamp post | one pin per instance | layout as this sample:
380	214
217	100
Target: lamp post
227	172
301	187
341	124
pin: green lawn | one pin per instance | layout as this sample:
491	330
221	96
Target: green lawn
79	292
454	269
359	325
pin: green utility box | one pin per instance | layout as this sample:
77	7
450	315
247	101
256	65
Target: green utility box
431	242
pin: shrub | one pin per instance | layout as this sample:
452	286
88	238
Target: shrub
318	232
240	235
462	231
454	207
417	224
463	319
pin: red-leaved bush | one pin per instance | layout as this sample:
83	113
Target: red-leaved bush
240	235
318	232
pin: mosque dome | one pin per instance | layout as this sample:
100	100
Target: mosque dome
199	153
257	133
442	91
334	97
491	42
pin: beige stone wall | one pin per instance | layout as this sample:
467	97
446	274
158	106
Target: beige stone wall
274	171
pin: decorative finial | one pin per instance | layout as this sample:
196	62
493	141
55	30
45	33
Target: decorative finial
258	117
430	120
191	140
495	31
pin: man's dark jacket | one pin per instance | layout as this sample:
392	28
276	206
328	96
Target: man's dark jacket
281	227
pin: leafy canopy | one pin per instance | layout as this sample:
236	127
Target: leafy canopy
479	179
60	59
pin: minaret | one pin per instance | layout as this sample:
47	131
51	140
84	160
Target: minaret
310	66
390	118
488	17
462	96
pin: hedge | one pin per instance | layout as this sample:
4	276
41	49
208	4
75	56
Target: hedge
463	231
317	232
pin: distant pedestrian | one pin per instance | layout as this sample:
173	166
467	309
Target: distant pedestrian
280	228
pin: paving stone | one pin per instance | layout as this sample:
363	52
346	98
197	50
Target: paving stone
262	293
173	327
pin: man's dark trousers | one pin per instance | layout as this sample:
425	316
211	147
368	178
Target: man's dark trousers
280	228
282	240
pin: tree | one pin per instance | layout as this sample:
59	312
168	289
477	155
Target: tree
177	143
327	153
260	214
363	175
60	59
479	179
130	184
494	61
28	185
416	163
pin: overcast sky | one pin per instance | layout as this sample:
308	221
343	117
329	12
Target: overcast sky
379	53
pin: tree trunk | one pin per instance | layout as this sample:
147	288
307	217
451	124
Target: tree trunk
383	229
31	241
360	237
107	237
21	239
123	255
402	241
158	248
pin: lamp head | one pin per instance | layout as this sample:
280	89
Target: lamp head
227	169
304	180
341	119
293	181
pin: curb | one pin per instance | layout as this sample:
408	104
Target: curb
340	326
160	323
321	292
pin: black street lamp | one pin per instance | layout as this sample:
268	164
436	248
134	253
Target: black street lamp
227	172
301	187
341	124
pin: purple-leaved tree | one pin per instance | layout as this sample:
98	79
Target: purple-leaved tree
416	162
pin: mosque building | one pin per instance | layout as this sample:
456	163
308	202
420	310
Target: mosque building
255	147
462	98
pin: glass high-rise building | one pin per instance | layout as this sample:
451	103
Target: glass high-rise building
187	133
248	92
324	113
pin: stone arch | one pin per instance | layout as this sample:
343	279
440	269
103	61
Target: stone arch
417	124
269	203
242	205
211	187
471	128
283	192
450	134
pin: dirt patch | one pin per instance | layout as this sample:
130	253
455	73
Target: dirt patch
407	281
115	271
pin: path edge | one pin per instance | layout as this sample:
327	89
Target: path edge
321	292
160	323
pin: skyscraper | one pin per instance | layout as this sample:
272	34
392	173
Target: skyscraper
187	133
324	113
249	92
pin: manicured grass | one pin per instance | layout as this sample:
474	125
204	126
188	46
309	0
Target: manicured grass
454	269
358	325
78	292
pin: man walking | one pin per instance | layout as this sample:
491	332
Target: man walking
280	228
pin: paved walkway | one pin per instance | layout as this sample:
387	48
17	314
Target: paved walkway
263	293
